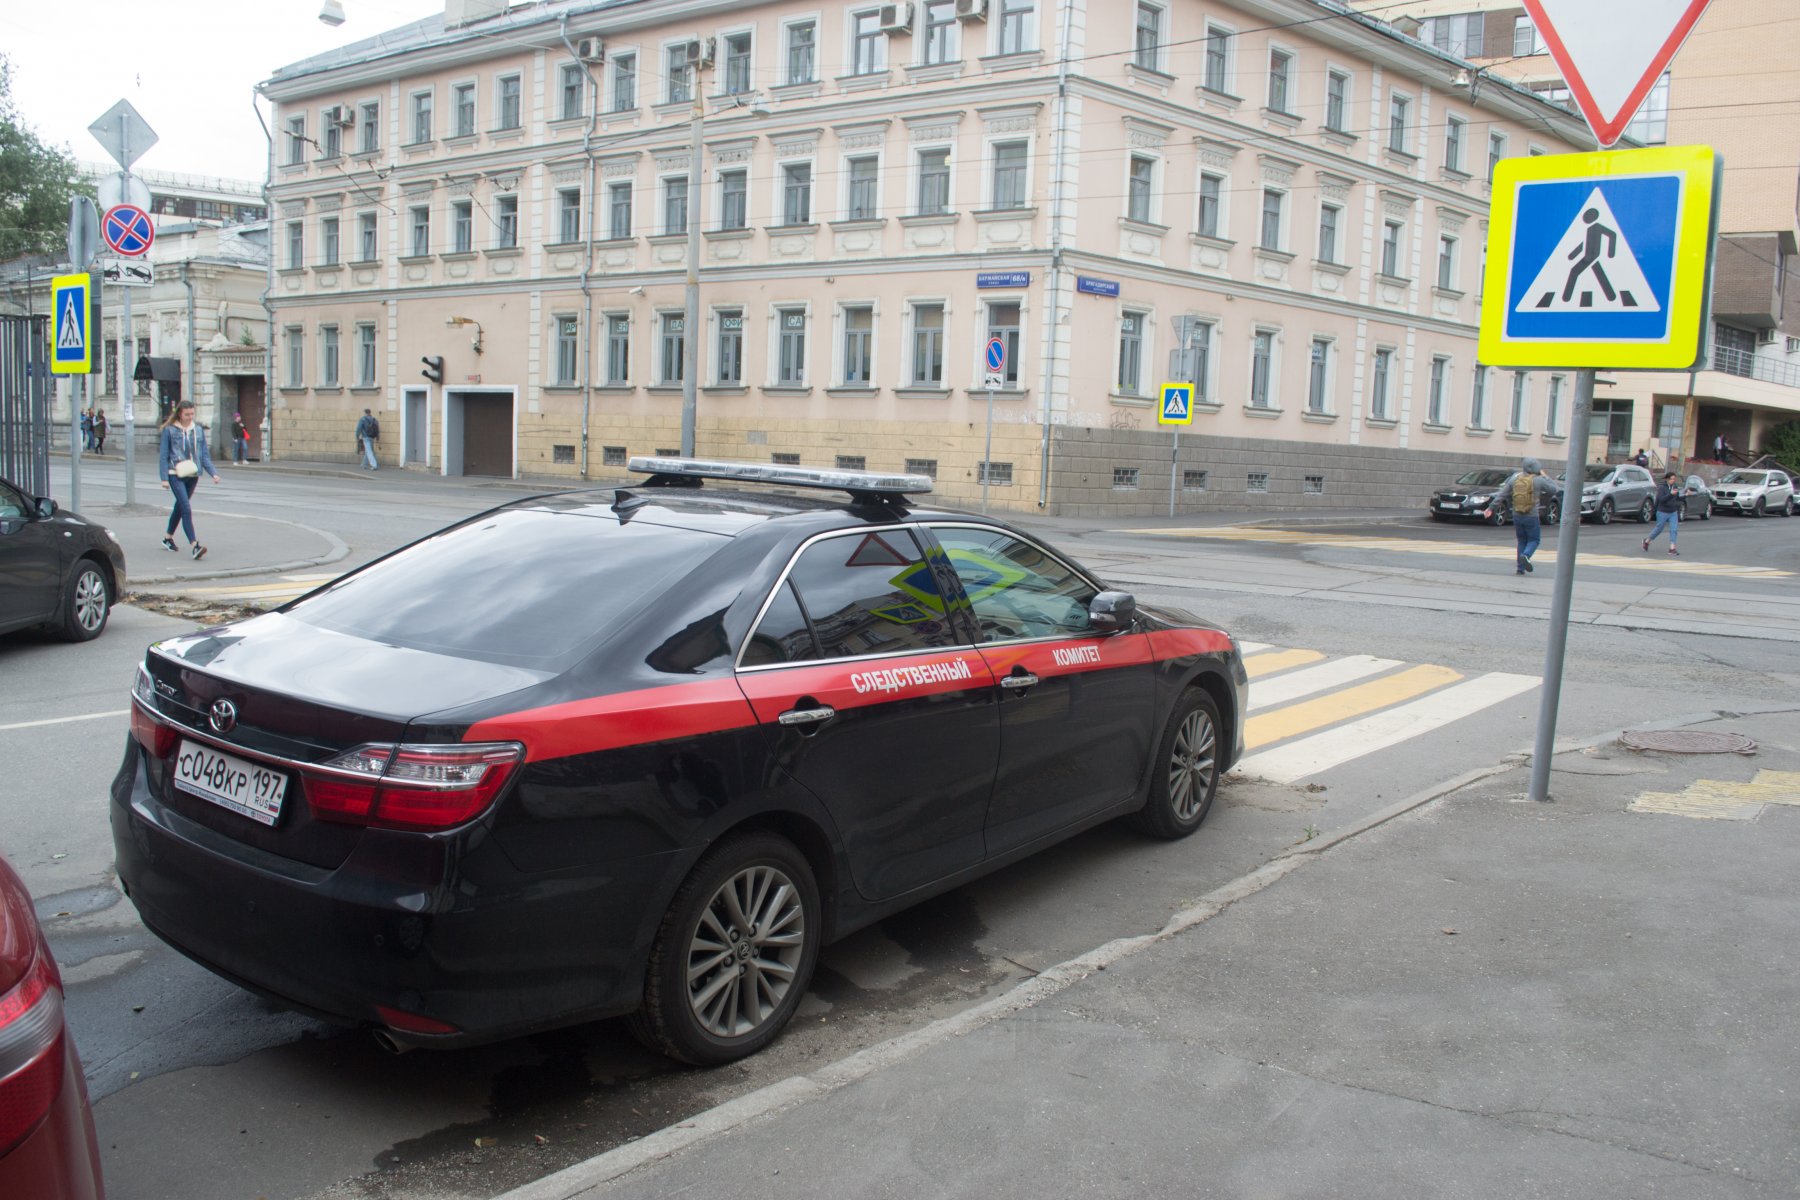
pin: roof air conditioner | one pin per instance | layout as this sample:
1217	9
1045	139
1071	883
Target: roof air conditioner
590	50
971	10
896	18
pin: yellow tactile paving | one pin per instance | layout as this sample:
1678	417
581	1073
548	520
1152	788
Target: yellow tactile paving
1308	715
1267	663
1723	799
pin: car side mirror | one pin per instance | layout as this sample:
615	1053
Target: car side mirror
1110	612
46	507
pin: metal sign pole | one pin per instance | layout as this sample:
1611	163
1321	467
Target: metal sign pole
77	398
127	342
987	455
1566	535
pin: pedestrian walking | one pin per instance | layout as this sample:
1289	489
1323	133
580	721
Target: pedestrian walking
181	457
1669	503
368	436
87	429
240	439
1529	487
100	431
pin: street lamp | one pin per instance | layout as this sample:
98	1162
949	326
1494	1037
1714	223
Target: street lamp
332	13
458	322
690	342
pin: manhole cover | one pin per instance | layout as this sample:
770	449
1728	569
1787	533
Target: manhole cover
1686	741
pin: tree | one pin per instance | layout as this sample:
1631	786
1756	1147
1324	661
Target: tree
36	182
1783	442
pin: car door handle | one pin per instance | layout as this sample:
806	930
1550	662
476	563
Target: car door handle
1018	683
807	716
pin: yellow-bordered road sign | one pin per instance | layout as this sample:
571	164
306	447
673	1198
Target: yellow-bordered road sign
1175	404
1600	260
71	341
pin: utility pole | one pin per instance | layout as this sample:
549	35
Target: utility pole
690	333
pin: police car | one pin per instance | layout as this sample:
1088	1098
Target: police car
644	750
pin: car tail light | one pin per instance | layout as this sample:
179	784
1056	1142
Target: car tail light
411	787
31	1038
147	728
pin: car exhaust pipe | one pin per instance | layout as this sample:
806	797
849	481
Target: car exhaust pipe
387	1041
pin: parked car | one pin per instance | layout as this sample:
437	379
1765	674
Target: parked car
57	568
1696	500
1756	493
1625	490
677	739
1485	495
47	1144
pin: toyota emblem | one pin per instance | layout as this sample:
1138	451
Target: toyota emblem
223	716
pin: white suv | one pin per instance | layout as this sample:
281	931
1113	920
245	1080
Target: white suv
1757	493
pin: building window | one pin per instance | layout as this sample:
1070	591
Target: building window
367	244
328	356
1526	41
1337	99
1318	379
1391	233
1194	362
802	48
328	241
861	199
927	345
1269	235
296	245
790	358
1009	174
673	342
568	214
940	32
868	45
1446	263
1553	408
462	227
421	231
618	349
1003	323
1193	481
922	466
421	118
675	204
852	462
1478	417
573	92
737	63
1496	152
296	356
296	141
331	135
1399	112
462	110
1256	481
734	199
365	356
1131	354
371	127
784	460
613	456
1262	366
1521	398
506	222
999	474
1125	479
1379	388
1212	191
624	83
934	182
618	211
1329	215
1651	125
1147	45
678	72
1018	26
729	357
796	194
1281	67
1138	186
1460	34
1314	485
859	345
508	114
1453	143
1440	373
1216	69
568	342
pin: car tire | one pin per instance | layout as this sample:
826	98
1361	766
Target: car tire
1186	774
1500	517
87	602
1788	509
1604	514
1553	513
753	973
1706	512
1646	512
1761	509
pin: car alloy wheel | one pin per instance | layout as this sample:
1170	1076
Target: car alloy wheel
1182	790
1553	514
86	606
1605	514
1646	511
1788	509
1761	509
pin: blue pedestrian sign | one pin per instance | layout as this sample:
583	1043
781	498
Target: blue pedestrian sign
71	342
1599	260
1176	406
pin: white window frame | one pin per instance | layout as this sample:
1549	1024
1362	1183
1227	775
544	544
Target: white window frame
429	96
781	189
1325	379
1518	417
1146	351
565	374
456	109
576	73
629	186
462	226
1381	382
1291	79
1456	134
568	205
716	332
925	28
664	197
1336	255
910	344
368	249
368	354
608	376
1449	262
1437	389
662	375
618	59
878	42
840	358
296	245
1272	396
1391	225
1157	53
1001	15
296	136
1152	214
1015	358
991	164
414	227
1282	219
721	207
776	311
504	206
368	135
918	178
1553	407
1344	118
722	84
517	78
1400	103
844	196
1225	84
1222	230
666	60
1496	150
294	339
1478	398
331	354
784	76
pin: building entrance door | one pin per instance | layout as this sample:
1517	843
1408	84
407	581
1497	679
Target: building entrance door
252	405
486	434
415	447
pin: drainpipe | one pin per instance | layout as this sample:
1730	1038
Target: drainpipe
191	389
587	260
267	438
1052	285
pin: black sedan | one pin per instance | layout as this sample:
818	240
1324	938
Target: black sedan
57	568
643	751
1485	495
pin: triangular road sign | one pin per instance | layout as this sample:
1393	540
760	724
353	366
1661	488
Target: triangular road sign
1612	53
1592	269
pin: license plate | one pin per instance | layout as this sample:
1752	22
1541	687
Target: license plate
246	788
1448	504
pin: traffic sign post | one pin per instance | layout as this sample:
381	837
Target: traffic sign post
1175	408
125	135
994	360
1595	261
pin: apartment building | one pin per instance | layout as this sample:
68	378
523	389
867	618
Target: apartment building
1283	201
1732	86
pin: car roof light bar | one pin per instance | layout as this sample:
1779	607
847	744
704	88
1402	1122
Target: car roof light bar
876	485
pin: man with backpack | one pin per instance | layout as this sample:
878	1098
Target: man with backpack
368	433
1528	488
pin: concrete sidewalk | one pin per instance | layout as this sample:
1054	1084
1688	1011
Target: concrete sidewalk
1471	995
260	545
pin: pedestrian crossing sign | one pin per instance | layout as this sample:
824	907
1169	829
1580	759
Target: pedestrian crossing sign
1600	260
1177	404
71	340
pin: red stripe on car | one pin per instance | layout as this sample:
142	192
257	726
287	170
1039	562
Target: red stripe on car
658	714
846	685
1071	656
1179	643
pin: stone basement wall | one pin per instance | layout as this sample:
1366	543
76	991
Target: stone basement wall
1083	461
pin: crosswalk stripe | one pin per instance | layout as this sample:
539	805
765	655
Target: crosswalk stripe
1298	684
1253	647
1309	715
1270	661
1322	751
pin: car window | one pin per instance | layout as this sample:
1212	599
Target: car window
12	503
850	595
1638	475
1596	473
1015	588
1695	482
1750	478
1483	478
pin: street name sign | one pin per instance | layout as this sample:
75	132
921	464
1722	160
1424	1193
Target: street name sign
1175	404
71	341
1612	53
1600	260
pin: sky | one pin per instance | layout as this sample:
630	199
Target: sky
189	67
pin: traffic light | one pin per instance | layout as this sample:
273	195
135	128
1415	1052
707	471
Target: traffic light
434	367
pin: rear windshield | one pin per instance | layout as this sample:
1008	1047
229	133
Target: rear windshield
522	586
1483	479
1750	477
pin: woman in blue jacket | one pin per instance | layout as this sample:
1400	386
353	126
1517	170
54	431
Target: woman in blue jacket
180	459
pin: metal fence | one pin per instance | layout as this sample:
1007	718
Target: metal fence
1747	365
25	390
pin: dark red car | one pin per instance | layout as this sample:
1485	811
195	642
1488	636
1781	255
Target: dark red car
47	1145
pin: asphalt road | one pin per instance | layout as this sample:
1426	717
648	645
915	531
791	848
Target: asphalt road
203	1091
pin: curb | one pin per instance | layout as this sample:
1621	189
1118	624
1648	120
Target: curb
336	549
